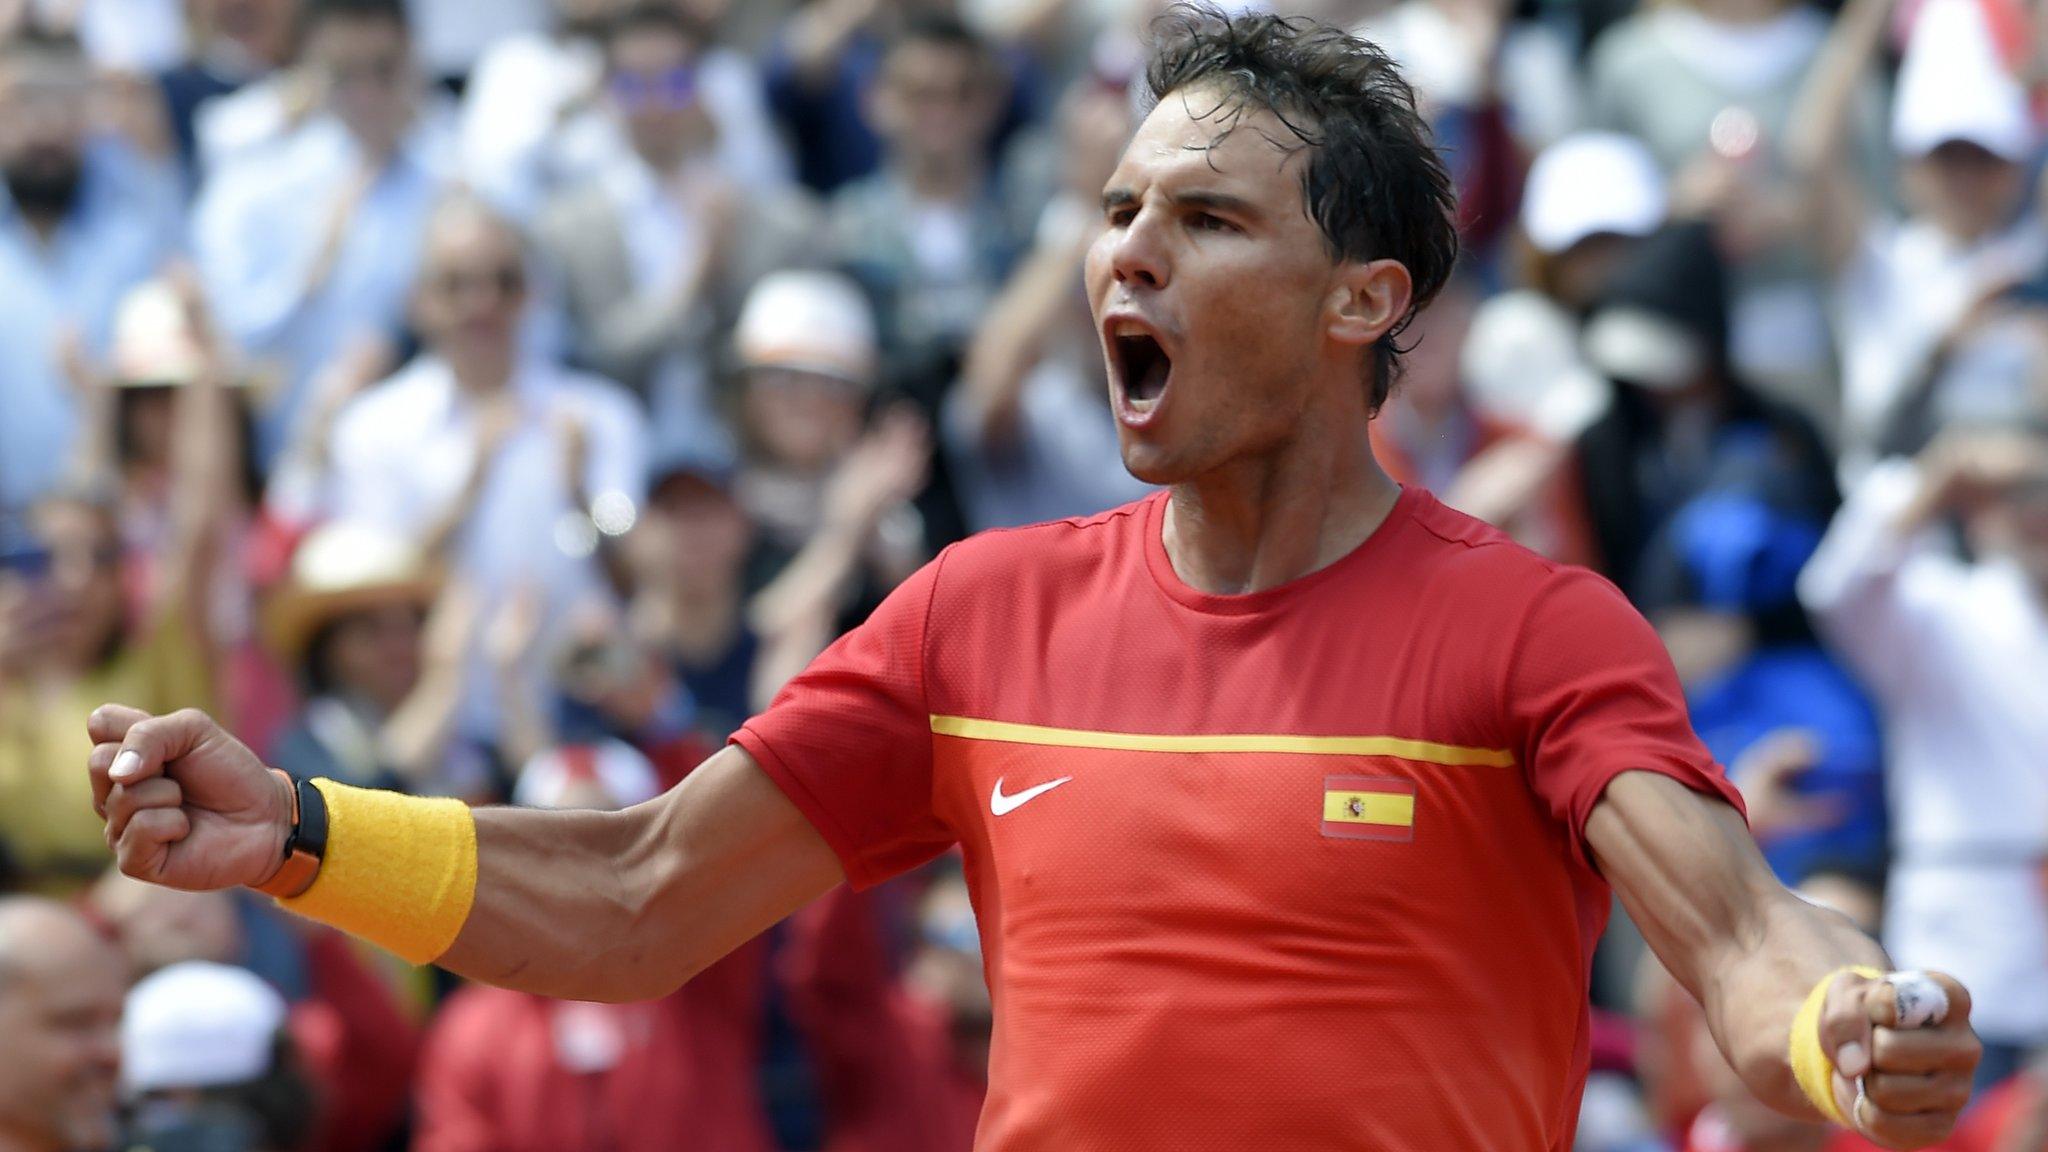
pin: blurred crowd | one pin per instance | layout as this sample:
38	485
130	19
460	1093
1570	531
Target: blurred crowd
501	400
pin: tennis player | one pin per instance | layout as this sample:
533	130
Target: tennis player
1290	799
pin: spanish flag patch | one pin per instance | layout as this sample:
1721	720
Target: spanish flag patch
1368	808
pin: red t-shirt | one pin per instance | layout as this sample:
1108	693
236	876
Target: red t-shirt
1297	869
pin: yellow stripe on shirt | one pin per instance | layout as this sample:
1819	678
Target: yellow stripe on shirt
1453	755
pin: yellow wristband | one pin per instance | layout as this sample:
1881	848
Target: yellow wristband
1810	1063
400	871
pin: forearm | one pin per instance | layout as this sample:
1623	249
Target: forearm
561	907
1749	951
1752	995
628	905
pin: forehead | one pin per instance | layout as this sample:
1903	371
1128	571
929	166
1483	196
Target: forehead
462	236
1206	135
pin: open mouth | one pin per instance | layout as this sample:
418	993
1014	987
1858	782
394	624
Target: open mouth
1142	368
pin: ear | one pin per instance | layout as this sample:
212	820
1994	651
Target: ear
1368	298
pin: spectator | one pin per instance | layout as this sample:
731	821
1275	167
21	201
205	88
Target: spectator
524	465
1798	736
927	235
1710	87
903	1058
655	255
382	675
230	43
169	428
534	122
353	1042
1909	289
1028	433
83	218
1589	198
510	1071
69	643
1430	432
831	499
826	62
206	1061
1680	419
61	986
1953	650
311	245
690	554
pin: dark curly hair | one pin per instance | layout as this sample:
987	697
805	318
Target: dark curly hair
1373	182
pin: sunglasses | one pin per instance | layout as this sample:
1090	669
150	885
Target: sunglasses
673	89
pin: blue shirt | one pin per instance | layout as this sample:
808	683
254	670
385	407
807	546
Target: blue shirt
124	225
1800	687
259	227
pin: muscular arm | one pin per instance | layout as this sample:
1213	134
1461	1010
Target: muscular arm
628	905
1750	951
585	905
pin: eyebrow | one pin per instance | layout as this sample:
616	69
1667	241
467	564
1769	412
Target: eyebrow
1193	198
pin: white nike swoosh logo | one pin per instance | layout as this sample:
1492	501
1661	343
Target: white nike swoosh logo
1003	805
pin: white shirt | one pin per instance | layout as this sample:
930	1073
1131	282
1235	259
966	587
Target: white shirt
1906	287
401	453
259	226
1957	655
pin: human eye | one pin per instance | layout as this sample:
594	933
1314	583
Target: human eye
1210	222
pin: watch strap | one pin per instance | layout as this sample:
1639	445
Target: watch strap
305	846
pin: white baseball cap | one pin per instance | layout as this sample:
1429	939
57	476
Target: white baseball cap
1591	183
1953	86
198	1025
810	322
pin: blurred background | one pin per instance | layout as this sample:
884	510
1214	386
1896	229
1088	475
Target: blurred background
501	400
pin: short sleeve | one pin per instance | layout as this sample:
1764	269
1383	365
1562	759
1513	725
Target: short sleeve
849	740
1590	694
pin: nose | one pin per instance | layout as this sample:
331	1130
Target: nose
1138	256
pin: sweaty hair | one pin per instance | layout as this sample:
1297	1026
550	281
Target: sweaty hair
1373	182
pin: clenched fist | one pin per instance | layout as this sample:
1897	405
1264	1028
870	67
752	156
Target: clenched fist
1914	1080
186	805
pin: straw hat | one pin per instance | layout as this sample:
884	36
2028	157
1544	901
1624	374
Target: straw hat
339	569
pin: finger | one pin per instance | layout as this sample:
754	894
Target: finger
1904	1093
145	844
150	744
1914	1130
96	765
109	723
128	799
1924	1050
1845	1027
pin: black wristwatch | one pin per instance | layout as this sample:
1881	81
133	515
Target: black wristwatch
305	847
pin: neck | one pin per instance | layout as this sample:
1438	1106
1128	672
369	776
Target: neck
482	373
1258	522
701	618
